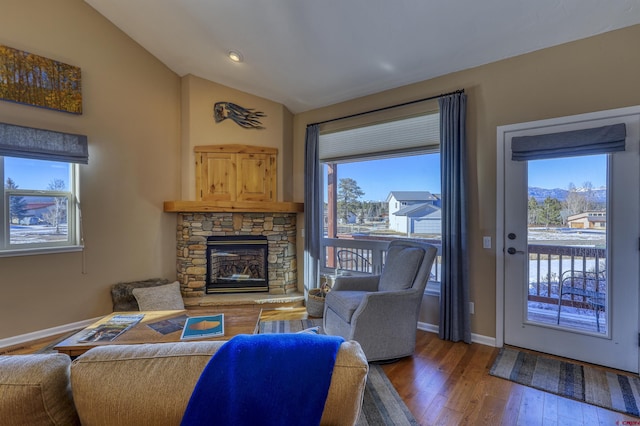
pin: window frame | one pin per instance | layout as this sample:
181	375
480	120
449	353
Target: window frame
74	238
433	287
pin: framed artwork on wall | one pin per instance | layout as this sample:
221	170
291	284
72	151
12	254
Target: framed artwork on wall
31	79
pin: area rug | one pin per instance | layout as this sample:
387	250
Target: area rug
588	384
292	326
382	405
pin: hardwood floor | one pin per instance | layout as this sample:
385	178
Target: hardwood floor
446	383
33	346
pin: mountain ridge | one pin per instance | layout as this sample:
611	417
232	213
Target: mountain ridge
599	194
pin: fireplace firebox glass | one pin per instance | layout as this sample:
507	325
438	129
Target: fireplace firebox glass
237	264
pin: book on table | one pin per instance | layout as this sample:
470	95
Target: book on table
111	329
203	327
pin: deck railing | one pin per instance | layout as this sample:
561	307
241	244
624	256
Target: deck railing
365	254
547	263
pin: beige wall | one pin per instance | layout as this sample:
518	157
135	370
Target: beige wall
132	116
199	128
588	75
132	120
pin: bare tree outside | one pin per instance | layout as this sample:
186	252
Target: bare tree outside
588	195
575	201
57	213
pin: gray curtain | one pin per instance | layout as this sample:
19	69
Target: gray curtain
455	321
313	209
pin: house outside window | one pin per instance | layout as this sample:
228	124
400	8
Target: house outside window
40	191
381	182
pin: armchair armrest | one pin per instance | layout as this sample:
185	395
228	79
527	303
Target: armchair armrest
379	302
356	283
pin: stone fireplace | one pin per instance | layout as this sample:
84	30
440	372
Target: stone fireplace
194	229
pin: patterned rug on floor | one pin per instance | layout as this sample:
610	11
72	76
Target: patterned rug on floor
596	386
292	326
382	405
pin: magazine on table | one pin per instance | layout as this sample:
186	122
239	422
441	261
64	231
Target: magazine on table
111	329
203	327
169	325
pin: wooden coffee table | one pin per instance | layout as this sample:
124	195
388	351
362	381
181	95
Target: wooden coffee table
281	314
236	321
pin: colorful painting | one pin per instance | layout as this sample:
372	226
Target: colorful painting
35	80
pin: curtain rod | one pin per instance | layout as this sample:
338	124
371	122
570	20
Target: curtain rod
386	108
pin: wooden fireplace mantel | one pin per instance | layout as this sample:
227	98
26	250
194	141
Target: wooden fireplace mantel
233	206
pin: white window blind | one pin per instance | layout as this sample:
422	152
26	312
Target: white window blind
420	133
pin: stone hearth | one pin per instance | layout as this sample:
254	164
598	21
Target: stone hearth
194	228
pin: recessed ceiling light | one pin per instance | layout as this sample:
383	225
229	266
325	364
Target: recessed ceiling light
235	56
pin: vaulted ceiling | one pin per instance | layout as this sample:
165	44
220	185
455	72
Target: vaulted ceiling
312	53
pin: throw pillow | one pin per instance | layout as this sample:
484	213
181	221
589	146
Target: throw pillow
161	298
122	293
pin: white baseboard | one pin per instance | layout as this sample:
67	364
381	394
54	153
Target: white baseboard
48	332
475	338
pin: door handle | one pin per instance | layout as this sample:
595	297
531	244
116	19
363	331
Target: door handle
512	250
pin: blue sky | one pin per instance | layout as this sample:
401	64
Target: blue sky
34	174
422	173
558	173
375	177
379	177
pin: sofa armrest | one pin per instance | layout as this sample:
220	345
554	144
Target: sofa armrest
346	391
35	390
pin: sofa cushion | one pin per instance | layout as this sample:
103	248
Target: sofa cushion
35	390
151	384
163	298
401	267
344	303
145	384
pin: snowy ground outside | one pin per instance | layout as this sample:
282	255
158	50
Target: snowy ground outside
33	234
550	271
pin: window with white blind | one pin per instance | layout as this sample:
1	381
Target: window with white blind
380	181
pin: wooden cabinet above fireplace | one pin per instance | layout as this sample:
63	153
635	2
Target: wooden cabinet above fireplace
235	173
235	178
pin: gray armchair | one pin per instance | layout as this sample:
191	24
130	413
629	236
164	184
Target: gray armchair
381	311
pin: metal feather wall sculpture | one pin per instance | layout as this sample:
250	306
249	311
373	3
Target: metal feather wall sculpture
243	117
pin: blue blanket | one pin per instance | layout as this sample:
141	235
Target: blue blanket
265	379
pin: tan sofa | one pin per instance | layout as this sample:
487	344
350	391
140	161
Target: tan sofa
140	385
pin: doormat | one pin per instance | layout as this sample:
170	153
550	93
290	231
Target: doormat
596	386
381	404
